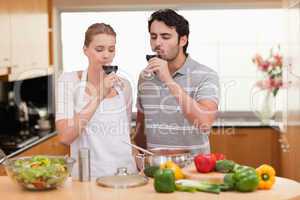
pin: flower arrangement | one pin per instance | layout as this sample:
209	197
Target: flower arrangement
272	70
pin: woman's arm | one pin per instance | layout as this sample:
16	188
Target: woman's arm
70	129
128	99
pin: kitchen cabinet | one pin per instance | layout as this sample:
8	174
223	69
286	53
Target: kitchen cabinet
248	146
51	146
290	156
5	35
2	171
292	3
77	4
24	38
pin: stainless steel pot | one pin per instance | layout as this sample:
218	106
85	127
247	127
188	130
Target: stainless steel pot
182	157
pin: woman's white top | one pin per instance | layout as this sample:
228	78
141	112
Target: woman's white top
104	133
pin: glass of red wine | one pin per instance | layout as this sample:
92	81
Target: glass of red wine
110	68
149	75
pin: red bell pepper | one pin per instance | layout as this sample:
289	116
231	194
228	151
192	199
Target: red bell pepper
205	162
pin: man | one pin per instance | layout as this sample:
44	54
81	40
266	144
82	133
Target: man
177	106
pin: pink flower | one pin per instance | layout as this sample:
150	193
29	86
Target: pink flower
264	66
261	63
258	60
268	84
272	70
278	60
276	82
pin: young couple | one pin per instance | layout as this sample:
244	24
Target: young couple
176	107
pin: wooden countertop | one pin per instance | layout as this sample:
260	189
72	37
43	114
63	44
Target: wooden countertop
283	189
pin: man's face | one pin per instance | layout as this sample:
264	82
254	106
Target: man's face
164	40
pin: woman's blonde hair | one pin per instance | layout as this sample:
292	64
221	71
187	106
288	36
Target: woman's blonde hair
95	29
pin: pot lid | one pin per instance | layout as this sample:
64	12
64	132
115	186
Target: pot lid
122	179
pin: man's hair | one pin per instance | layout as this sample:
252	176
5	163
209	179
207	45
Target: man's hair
172	19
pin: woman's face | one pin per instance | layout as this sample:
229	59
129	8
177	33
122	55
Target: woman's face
101	50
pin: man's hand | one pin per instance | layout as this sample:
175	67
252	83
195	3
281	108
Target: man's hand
160	68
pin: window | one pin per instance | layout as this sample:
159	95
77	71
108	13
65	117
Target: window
223	39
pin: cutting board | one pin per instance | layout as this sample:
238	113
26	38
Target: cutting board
190	172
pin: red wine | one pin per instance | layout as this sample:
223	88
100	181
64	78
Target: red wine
110	68
148	57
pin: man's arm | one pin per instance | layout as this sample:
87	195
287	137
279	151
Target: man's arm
140	137
200	113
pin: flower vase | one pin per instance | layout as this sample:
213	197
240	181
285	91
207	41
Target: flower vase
266	111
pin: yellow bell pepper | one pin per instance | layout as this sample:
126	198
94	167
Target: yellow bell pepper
266	175
174	167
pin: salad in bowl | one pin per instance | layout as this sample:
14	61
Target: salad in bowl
39	172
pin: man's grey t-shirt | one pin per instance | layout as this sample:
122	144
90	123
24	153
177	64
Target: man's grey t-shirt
165	124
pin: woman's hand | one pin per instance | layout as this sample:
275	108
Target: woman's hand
109	82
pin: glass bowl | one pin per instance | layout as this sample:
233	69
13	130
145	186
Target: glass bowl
39	172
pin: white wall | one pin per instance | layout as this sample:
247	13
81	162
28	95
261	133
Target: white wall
224	40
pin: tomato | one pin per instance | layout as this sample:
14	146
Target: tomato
34	165
39	184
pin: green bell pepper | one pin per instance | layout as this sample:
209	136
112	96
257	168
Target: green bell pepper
246	179
229	182
164	181
225	166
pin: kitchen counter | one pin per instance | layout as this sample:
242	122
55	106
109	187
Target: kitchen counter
224	120
41	139
239	119
244	122
283	189
217	124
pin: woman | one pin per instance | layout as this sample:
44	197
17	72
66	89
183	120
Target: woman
92	112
